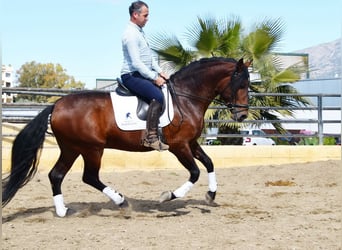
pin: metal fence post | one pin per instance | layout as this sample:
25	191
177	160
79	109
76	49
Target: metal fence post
320	119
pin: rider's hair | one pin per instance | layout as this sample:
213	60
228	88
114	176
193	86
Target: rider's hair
136	7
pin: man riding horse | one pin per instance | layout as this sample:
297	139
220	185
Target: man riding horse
141	73
71	117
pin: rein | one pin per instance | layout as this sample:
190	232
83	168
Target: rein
174	95
230	106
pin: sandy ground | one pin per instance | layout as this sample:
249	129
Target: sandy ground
294	206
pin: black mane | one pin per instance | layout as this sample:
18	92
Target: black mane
193	65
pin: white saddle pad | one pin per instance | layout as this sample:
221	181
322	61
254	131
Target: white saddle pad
125	111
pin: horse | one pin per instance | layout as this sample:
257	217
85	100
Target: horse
83	123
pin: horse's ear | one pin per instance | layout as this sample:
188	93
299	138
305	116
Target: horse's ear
247	64
239	65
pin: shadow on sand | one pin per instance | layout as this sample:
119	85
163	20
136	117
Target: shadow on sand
104	209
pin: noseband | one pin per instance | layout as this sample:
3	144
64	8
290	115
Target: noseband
231	106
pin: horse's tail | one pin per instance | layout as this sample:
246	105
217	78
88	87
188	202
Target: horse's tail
25	157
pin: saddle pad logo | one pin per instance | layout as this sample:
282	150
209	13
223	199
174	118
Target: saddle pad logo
128	116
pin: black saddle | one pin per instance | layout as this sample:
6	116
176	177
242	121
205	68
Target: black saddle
142	107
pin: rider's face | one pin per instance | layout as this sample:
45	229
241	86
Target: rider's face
142	17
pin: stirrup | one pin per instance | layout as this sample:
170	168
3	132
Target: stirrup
156	145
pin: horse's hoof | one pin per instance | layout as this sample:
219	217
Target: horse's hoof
70	212
62	212
165	196
126	209
210	197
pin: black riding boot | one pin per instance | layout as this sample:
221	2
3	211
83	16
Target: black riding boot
152	140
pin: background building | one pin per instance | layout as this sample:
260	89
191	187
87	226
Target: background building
7	82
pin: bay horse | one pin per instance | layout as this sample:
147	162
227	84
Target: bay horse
84	124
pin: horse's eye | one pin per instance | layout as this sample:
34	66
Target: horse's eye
243	85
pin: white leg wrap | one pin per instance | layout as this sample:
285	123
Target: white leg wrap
113	195
212	182
59	205
181	191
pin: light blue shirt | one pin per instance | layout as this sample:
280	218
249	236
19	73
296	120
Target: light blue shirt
137	54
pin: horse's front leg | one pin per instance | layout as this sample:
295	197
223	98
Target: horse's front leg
184	155
200	155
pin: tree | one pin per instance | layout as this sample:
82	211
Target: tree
223	37
206	38
49	75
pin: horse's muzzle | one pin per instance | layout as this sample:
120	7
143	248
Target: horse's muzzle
239	115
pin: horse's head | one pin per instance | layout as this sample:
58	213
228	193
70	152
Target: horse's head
235	94
207	78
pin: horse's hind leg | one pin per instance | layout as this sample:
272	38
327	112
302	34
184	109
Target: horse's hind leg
56	176
92	164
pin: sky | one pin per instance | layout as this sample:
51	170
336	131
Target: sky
84	36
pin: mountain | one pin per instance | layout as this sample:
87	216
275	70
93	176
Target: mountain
324	60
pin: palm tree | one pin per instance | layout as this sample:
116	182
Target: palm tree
210	37
207	38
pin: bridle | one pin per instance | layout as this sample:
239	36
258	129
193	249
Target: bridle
231	106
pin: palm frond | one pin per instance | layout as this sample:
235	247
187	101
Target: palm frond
203	35
170	49
275	30
229	38
264	38
286	76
